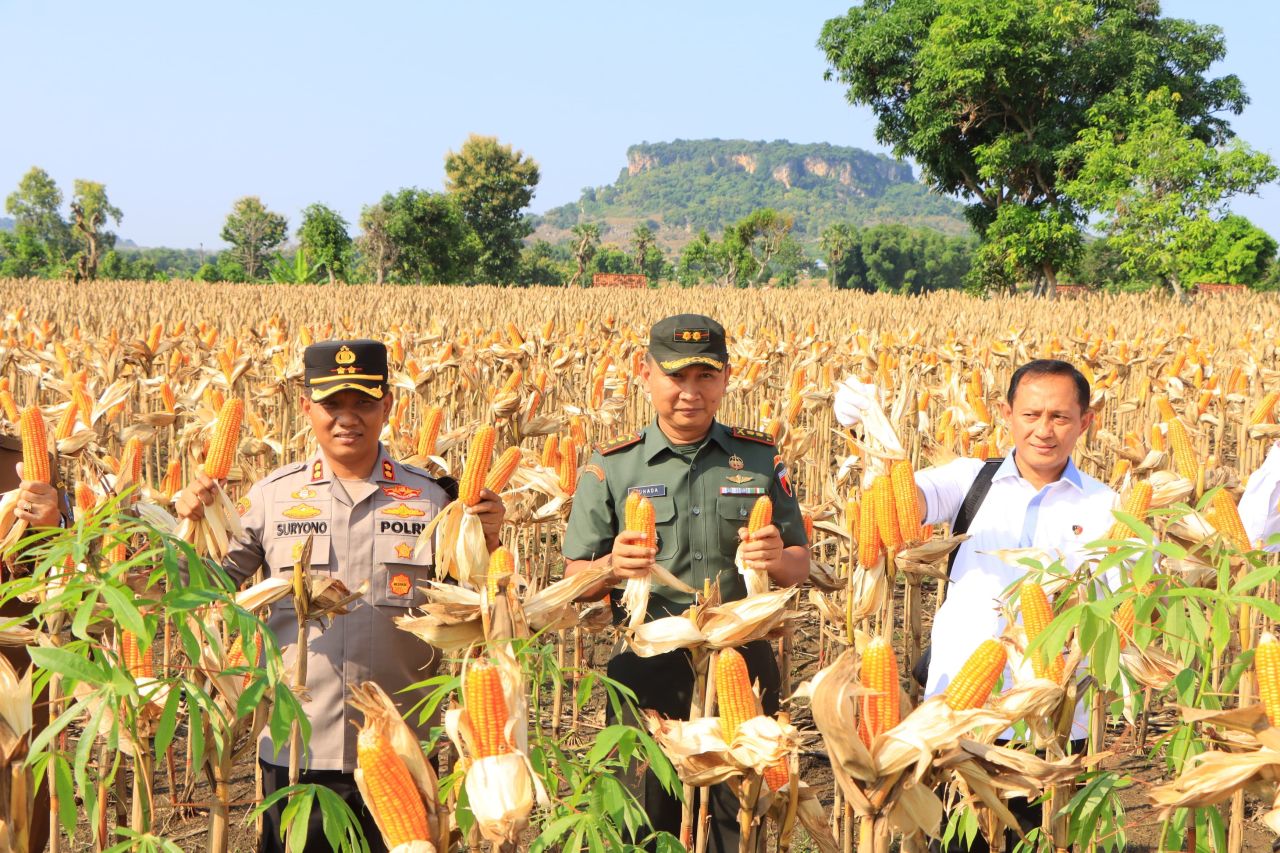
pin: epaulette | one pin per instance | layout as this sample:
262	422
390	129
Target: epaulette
284	471
752	435
414	469
619	443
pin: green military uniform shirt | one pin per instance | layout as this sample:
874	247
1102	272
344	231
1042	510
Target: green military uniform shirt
701	494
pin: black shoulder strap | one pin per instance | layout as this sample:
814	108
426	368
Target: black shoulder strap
972	501
450	486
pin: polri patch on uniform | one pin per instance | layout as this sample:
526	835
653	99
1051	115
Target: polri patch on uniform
388	470
656	491
401	492
743	490
399	584
317	471
303	510
242	506
753	435
592	468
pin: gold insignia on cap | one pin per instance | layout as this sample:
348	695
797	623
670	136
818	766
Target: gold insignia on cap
345	356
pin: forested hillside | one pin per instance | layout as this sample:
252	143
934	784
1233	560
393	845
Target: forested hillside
684	186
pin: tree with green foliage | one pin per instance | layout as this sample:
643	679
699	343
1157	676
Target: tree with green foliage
254	232
840	245
323	236
1162	190
586	239
761	235
989	99
90	210
41	238
641	241
543	264
893	258
493	184
433	244
1240	253
379	251
722	263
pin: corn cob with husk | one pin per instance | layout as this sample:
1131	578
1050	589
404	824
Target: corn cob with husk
1266	664
906	501
463	552
757	580
489	732
394	777
212	534
502	471
476	467
736	700
639	518
881	708
35	468
1224	515
139	663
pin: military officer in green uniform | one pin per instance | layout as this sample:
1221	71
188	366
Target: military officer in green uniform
364	511
703	478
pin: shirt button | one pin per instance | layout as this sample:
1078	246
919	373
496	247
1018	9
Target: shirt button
697	555
697	510
742	512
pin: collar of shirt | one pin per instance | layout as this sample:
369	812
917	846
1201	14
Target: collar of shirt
656	441
385	469
1070	474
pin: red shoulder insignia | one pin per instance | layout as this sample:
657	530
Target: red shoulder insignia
388	470
317	471
593	468
620	443
752	435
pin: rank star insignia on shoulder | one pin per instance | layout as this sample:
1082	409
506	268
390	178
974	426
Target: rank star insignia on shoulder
752	435
618	444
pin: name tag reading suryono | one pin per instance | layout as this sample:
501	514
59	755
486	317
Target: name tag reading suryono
657	491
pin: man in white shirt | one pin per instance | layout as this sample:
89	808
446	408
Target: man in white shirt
1038	499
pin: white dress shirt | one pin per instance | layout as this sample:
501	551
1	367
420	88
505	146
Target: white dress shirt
1059	518
1258	504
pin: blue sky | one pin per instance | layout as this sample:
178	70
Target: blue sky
181	108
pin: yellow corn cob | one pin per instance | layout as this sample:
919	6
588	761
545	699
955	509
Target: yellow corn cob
761	514
501	564
66	423
906	500
1266	663
974	682
881	709
1136	504
429	431
8	405
577	431
487	709
1037	613
1164	408
640	518
568	470
1184	455
1118	471
86	500
807	519
777	775
512	384
869	548
734	696
1158	441
502	470
391	788
138	663
1225	516
131	462
476	467
1262	411
597	390
551	453
886	514
226	438
513	335
35	446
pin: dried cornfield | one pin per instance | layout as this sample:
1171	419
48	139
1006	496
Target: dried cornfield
139	371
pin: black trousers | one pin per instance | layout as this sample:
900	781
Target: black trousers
665	684
275	777
1028	813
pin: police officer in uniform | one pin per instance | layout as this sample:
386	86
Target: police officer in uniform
703	478
365	511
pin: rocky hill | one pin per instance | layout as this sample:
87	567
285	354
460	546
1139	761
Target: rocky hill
681	187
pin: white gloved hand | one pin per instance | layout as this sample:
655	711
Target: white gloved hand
853	398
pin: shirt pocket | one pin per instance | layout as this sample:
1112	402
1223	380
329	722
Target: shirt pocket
398	576
734	511
283	552
664	522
